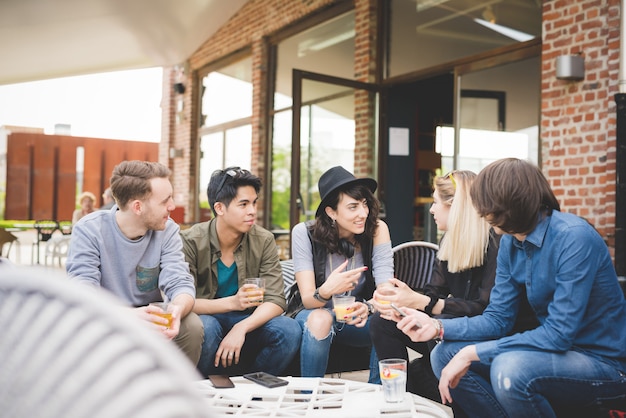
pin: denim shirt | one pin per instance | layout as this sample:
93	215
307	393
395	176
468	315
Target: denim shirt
571	285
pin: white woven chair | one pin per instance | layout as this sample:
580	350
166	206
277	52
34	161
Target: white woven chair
71	351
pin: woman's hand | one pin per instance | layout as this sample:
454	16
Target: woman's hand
341	281
405	296
359	314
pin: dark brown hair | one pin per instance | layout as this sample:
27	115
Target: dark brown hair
131	180
325	232
224	184
512	194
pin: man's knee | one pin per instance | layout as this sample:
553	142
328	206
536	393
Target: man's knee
286	330
191	336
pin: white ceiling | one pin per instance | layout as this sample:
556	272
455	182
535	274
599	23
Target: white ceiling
43	39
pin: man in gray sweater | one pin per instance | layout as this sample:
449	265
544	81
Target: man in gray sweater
135	252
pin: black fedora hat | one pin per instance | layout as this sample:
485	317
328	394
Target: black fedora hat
336	177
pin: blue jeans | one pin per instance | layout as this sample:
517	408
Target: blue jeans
532	383
269	348
314	353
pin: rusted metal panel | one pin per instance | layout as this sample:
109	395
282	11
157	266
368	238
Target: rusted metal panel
42	177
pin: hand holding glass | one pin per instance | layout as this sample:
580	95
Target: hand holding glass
340	305
165	311
253	291
383	291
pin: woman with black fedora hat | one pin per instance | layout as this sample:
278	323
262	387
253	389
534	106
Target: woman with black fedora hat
346	249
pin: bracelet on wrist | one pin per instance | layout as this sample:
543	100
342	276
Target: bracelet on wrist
429	308
318	297
370	308
439	327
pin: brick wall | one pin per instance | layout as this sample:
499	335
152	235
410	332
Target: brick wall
578	118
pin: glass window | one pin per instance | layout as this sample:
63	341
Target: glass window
499	117
425	33
220	150
226	130
326	49
227	93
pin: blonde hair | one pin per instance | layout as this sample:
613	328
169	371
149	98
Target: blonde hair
83	195
465	243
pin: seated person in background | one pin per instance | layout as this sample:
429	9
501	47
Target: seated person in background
86	200
345	250
107	199
241	335
462	279
136	252
576	357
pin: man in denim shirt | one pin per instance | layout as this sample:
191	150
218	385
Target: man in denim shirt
576	357
240	335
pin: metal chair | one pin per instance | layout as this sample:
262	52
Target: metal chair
56	249
414	261
44	229
72	351
288	276
65	227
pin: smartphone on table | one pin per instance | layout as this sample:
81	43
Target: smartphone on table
221	381
266	379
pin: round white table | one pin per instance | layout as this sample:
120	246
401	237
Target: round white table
315	397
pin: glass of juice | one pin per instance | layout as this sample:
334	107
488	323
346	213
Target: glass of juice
340	305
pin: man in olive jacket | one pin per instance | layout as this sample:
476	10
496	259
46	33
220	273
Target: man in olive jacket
241	334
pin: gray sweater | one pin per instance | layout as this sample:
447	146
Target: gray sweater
137	271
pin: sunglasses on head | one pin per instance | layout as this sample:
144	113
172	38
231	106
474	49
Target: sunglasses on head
229	172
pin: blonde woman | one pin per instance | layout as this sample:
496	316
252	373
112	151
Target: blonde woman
461	283
87	201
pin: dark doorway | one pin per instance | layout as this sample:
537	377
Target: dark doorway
414	109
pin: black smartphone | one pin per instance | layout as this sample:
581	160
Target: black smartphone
402	314
395	308
266	379
221	381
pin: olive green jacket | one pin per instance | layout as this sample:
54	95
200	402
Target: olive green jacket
255	256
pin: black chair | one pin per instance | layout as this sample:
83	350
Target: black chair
414	261
44	229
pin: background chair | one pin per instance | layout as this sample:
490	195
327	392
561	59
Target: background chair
414	261
65	227
8	238
56	249
44	230
72	351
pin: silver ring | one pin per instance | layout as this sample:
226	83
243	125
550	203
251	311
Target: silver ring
230	354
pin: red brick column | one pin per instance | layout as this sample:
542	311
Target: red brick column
578	117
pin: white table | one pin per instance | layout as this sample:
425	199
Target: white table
315	397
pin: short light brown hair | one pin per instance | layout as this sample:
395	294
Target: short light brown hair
131	180
512	194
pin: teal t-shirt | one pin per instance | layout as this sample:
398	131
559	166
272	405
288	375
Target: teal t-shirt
227	280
